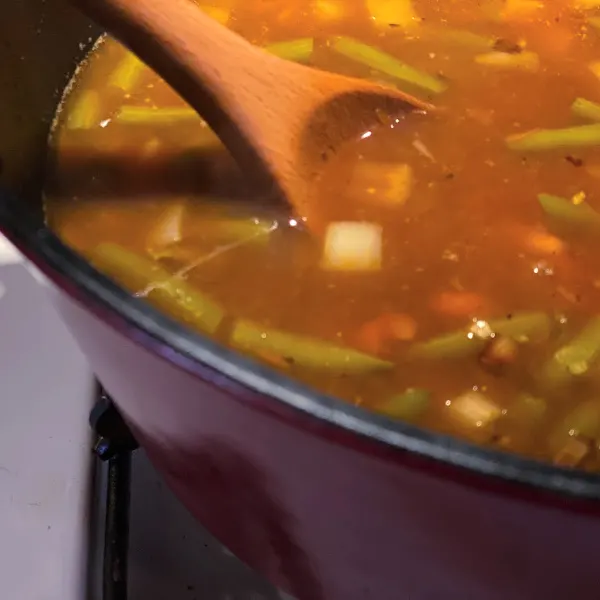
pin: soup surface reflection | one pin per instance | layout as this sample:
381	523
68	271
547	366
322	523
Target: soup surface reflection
457	285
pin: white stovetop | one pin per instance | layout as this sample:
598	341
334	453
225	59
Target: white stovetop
46	391
46	491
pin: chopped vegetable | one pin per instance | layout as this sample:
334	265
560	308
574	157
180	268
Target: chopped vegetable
166	291
387	64
352	246
219	14
523	61
457	37
499	352
230	230
551	139
522	327
458	304
575	358
128	73
85	114
164	116
329	10
408	406
473	410
375	335
303	351
570	440
396	13
565	212
295	50
386	183
544	243
167	231
572	453
586	109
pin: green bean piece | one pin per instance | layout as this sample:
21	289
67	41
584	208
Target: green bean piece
304	351
85	114
565	212
128	73
408	406
387	64
586	109
166	291
460	37
146	115
517	61
551	139
575	358
522	327
295	50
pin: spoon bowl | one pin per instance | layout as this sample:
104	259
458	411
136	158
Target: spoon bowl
281	121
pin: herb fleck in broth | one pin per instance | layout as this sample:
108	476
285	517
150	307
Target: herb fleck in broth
457	286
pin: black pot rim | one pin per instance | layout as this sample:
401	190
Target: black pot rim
147	324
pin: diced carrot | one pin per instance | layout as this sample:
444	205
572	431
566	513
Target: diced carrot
458	304
545	243
374	336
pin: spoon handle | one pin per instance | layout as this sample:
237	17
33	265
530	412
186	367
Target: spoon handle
216	71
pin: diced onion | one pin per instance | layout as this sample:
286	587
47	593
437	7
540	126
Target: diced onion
352	246
168	229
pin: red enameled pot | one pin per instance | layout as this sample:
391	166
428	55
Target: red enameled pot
328	501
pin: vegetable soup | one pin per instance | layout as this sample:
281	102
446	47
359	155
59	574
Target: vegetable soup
456	286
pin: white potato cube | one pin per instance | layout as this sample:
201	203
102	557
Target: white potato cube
352	246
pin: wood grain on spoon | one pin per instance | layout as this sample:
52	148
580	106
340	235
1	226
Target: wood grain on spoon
279	120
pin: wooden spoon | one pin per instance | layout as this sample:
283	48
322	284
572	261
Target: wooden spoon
280	120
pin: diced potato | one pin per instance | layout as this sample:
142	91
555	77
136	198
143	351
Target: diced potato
329	10
167	231
474	410
393	12
352	246
523	61
572	453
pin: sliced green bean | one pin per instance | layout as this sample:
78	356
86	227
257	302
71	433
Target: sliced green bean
575	358
522	327
518	61
166	291
85	114
408	406
583	420
304	351
550	139
295	50
565	212
387	64
258	230
586	109
128	73
146	115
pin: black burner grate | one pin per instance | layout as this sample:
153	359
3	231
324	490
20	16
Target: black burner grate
114	445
